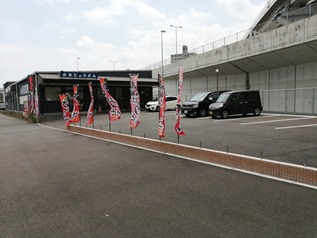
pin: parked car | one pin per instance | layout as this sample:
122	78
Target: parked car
2	106
198	105
236	102
171	102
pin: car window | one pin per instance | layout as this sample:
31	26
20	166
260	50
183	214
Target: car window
214	95
198	97
167	99
234	97
223	97
248	96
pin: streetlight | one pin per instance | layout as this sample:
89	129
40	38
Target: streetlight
162	31
113	62
78	63
176	33
217	72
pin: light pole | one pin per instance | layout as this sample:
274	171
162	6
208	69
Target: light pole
176	33
162	31
78	63
114	63
217	72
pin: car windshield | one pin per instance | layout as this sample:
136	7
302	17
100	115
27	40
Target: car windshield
199	97
223	97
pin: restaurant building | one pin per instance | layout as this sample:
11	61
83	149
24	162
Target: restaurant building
42	90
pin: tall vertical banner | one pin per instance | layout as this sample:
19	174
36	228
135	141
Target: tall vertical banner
31	94
162	105
114	113
90	113
75	116
177	127
65	108
134	101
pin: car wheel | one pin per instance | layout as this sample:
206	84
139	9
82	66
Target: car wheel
225	114
202	112
157	108
257	111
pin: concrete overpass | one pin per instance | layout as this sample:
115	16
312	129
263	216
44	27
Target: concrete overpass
281	59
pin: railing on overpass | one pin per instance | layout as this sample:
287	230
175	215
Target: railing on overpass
285	19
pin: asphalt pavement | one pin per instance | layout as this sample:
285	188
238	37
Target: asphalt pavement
279	137
57	184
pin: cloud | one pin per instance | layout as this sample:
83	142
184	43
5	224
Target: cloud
69	17
67	31
106	15
131	36
50	2
147	11
21	60
241	10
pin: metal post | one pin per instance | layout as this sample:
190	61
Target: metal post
176	33
113	64
78	58
217	72
162	31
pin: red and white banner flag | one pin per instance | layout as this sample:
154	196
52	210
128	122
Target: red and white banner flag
114	113
31	94
75	116
162	105
90	114
177	127
134	101
65	108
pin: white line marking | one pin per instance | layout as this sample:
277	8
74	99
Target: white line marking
244	118
260	122
292	127
202	118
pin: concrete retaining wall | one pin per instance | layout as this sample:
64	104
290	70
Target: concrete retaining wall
290	172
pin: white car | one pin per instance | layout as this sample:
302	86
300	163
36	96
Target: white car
171	102
2	106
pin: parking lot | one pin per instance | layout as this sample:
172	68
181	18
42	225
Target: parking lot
282	137
57	184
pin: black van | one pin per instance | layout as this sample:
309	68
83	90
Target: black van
237	102
198	104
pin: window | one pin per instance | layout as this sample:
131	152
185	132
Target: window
248	96
118	93
170	98
52	93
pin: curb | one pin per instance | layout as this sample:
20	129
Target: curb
280	170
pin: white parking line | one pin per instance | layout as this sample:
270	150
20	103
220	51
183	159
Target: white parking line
262	122
292	127
246	118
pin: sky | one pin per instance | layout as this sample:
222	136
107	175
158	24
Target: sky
54	35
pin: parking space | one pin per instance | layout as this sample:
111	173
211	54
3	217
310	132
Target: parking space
281	137
292	121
